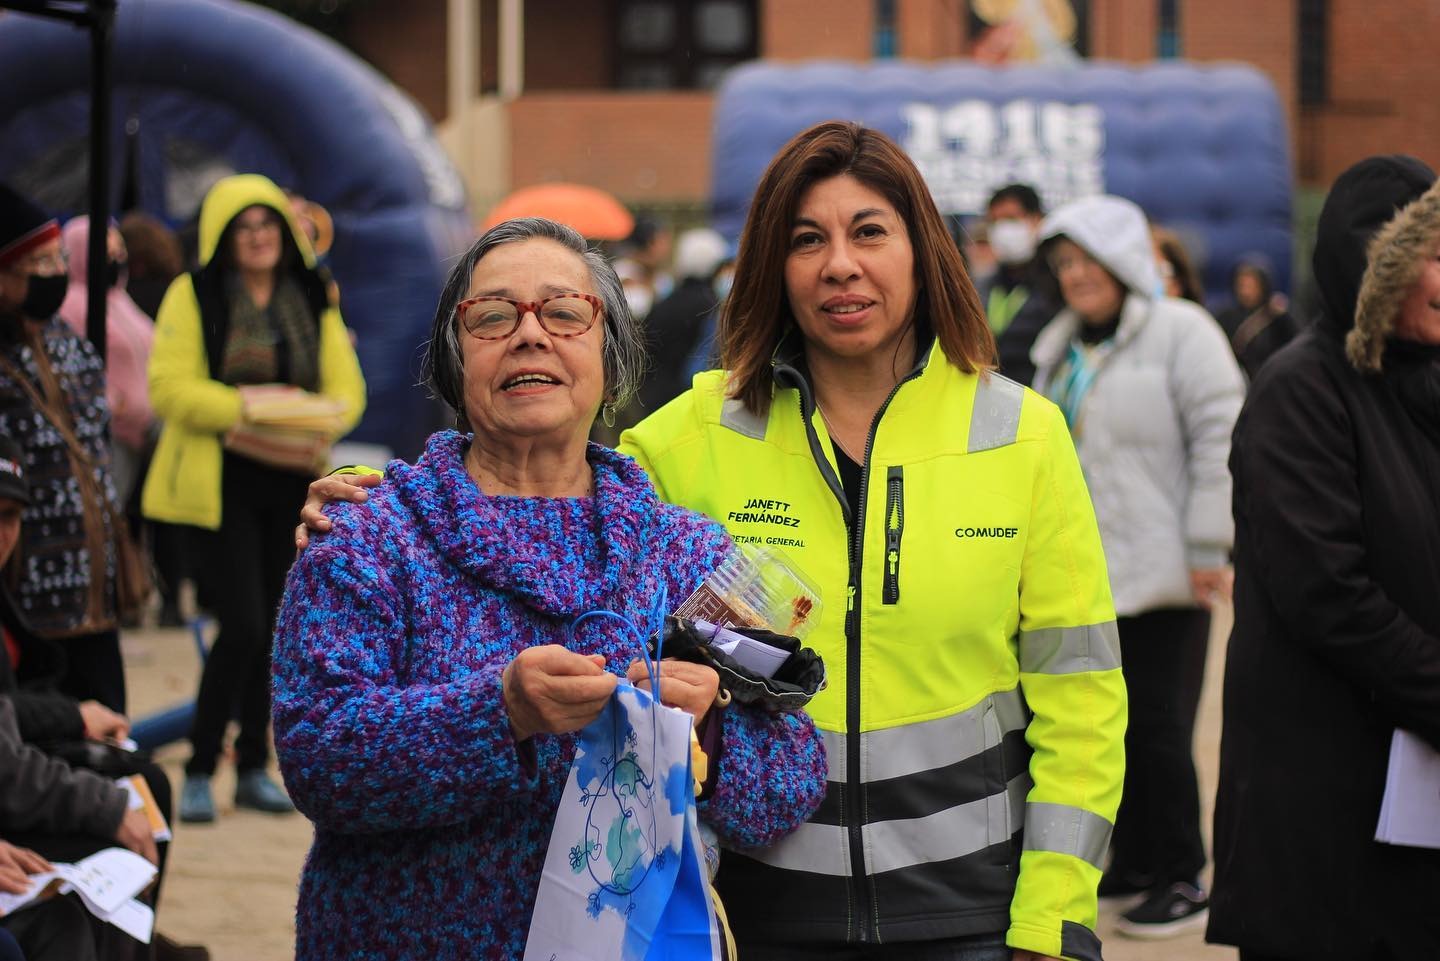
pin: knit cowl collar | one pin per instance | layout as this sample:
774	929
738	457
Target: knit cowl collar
558	555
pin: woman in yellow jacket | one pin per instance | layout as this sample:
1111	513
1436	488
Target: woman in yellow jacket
255	312
975	713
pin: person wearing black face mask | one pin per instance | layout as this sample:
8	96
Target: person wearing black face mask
52	402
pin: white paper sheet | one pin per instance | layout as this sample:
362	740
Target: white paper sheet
1410	811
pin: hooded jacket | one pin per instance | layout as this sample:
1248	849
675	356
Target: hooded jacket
183	485
1153	430
128	337
1337	619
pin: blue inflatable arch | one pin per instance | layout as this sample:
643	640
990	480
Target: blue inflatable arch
1201	148
205	88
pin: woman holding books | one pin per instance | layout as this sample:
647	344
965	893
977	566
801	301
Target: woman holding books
254	376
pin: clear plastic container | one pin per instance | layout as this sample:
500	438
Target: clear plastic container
756	587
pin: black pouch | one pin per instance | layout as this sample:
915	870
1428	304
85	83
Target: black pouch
796	681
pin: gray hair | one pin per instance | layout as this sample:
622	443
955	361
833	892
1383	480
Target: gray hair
623	353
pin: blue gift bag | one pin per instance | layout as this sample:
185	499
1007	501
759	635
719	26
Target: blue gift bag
624	876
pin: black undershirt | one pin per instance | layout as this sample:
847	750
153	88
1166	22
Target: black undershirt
849	472
1092	334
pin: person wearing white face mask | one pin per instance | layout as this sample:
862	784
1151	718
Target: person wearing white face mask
1016	298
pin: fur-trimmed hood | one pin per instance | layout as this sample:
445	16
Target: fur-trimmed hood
1395	257
1362	200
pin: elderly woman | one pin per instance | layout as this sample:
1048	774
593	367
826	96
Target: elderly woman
1150	390
426	695
1337	614
975	710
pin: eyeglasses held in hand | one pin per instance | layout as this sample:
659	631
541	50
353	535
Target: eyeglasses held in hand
564	315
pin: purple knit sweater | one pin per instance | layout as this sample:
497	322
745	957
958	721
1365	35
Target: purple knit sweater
430	824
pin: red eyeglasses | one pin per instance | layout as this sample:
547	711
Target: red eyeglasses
564	315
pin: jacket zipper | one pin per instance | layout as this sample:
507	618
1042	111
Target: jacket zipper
863	886
894	528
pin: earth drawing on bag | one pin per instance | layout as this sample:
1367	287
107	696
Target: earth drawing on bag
626	842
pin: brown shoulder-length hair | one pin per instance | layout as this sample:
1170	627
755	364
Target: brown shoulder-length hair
757	313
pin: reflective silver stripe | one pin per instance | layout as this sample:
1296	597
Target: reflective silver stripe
912	748
1062	829
1070	650
835	754
891	845
736	416
995	419
819	848
952	833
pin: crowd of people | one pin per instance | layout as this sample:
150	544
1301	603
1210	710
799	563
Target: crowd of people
1089	460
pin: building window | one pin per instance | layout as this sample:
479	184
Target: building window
681	44
884	29
1167	41
1314	59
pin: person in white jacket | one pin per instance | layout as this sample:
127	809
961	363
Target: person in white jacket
1151	391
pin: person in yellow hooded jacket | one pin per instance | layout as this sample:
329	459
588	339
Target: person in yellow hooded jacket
256	313
975	715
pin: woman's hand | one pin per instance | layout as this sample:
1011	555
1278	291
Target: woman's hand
101	723
16	866
1211	585
336	487
687	686
134	834
552	690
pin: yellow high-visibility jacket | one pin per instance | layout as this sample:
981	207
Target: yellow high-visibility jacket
975	713
183	485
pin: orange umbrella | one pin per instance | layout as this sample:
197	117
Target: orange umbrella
590	210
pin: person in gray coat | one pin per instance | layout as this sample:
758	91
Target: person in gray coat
1151	390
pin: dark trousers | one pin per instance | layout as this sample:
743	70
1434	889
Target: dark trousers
982	947
9	947
244	568
60	930
1157	830
82	936
94	670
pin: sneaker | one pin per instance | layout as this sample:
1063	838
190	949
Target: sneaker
254	789
197	804
1124	885
1166	913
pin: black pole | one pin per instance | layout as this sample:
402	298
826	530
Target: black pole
102	23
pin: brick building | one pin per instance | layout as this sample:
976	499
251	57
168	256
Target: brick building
610	92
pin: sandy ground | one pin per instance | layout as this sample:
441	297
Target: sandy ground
231	885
